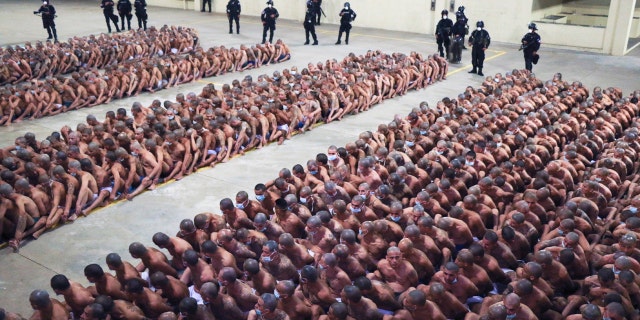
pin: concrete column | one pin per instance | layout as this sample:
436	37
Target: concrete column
618	26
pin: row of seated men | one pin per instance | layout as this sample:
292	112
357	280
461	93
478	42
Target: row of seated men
88	87
70	173
23	63
496	205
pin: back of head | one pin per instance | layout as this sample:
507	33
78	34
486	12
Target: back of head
105	301
190	257
189	306
93	271
113	259
270	301
60	282
159	279
134	286
352	293
137	249
39	299
339	310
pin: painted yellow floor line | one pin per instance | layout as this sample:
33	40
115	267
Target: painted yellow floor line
210	82
499	53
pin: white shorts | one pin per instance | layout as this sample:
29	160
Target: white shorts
195	295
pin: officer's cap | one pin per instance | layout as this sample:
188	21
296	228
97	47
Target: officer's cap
533	26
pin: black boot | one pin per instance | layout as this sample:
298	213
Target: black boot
473	70
480	72
50	35
315	42
55	34
306	42
338	42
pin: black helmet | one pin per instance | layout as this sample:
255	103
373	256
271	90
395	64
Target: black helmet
309	4
480	24
270	2
445	11
347	4
533	26
461	9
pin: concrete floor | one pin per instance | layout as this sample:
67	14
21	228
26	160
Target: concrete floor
70	248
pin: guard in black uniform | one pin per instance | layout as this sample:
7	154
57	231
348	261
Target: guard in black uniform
460	16
346	17
317	10
443	33
204	3
479	40
269	16
530	46
457	44
233	13
124	11
107	10
48	13
309	24
141	13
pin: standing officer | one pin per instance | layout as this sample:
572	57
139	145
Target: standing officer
309	24
124	10
443	32
107	10
530	46
317	10
346	17
460	16
458	31
269	16
204	3
141	13
479	41
48	13
233	13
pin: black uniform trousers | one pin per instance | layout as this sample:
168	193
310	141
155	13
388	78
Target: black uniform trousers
268	27
477	56
318	13
232	18
446	41
528	60
109	16
142	19
310	28
50	25
206	2
346	28
126	16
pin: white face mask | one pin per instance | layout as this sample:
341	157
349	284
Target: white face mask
444	16
478	28
530	30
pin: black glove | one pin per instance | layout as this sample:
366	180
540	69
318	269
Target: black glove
36	12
